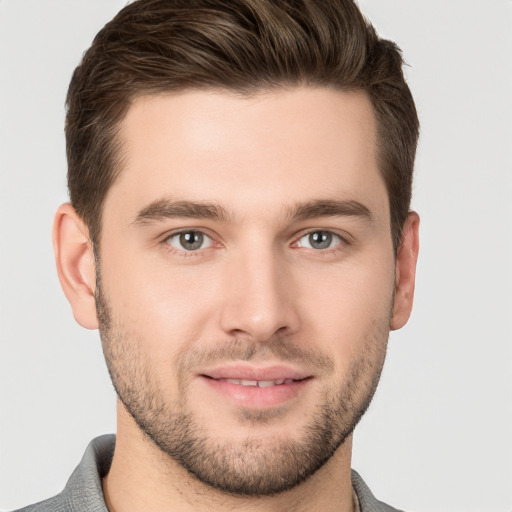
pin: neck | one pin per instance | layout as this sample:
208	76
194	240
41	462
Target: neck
143	477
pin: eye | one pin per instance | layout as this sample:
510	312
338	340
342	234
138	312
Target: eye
189	240
320	240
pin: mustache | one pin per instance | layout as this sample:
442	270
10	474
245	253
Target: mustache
276	349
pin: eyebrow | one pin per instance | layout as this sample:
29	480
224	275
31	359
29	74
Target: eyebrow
167	209
330	208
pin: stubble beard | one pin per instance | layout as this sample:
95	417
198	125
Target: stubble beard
250	467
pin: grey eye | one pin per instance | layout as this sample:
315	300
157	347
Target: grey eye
189	240
320	240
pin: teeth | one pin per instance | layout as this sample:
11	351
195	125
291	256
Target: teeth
258	383
232	381
266	383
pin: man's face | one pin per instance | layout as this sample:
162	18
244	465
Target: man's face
247	278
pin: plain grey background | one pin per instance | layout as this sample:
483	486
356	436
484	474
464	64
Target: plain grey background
438	436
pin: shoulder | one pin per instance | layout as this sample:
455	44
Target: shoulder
56	504
83	492
367	501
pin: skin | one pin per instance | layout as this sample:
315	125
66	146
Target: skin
254	286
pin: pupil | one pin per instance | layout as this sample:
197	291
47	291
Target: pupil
191	240
320	239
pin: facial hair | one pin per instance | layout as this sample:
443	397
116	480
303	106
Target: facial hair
248	467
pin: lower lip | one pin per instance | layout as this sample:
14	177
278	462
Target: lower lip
253	397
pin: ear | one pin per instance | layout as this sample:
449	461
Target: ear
74	257
406	271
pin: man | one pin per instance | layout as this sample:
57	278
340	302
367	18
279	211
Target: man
239	231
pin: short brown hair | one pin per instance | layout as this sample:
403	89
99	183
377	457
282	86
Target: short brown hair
246	46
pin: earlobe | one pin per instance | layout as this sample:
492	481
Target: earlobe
74	257
406	272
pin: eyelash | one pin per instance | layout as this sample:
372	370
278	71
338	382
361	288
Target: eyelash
343	242
185	252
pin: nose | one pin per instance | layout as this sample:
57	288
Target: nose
259	300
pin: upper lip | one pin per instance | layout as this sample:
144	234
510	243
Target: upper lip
248	372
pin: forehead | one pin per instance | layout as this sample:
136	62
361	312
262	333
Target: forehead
249	153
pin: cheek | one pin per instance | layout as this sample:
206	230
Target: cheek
166	307
347	308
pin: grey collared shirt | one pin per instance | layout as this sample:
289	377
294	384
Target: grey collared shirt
83	492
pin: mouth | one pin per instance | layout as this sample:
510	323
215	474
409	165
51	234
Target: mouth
259	383
256	388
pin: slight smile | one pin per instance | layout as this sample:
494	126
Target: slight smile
256	388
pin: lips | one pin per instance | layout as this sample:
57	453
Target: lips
275	373
256	388
259	383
